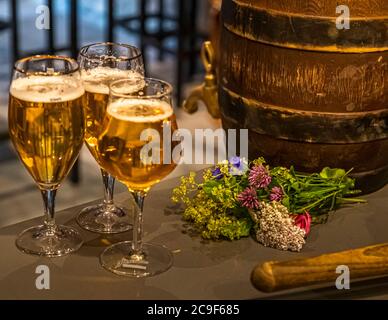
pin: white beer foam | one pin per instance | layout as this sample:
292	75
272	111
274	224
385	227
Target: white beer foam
46	89
118	109
97	80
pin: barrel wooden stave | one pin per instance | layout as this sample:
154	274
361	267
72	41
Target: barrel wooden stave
303	79
308	104
360	8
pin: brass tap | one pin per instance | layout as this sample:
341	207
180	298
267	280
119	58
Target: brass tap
207	92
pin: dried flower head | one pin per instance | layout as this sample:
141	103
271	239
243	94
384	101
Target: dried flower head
276	194
248	198
259	177
276	228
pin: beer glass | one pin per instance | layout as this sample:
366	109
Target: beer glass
100	64
46	126
135	146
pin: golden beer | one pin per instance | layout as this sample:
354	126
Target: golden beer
100	64
120	146
96	82
137	146
46	125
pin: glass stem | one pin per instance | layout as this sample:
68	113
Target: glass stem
109	185
48	196
138	223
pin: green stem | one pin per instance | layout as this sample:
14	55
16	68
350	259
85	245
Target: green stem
316	202
333	200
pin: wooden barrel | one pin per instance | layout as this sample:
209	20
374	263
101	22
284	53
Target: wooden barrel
311	94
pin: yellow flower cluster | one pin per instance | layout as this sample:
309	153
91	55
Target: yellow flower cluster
209	207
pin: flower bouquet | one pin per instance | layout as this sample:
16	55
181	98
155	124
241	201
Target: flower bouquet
277	205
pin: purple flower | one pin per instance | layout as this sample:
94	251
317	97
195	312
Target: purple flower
259	177
248	198
217	173
235	162
238	166
276	194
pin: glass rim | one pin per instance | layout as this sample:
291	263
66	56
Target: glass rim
73	62
83	54
114	93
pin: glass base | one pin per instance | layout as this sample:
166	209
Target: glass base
118	259
104	219
49	242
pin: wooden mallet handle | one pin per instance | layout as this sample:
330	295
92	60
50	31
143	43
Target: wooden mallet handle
363	262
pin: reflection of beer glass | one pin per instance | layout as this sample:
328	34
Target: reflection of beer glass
100	64
46	125
127	150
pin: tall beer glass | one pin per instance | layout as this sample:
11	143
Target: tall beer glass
100	64
128	149
46	125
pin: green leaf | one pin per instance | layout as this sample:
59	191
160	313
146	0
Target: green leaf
329	173
295	186
286	202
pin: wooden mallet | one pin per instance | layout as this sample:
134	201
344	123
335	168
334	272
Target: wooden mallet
363	262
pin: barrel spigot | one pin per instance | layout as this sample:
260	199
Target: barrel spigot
206	92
